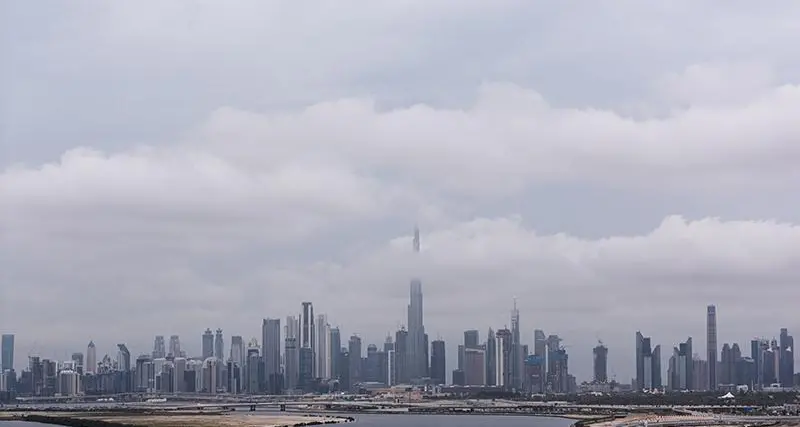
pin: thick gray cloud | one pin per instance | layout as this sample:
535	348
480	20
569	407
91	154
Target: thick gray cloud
169	167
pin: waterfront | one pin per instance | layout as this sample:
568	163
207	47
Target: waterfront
371	420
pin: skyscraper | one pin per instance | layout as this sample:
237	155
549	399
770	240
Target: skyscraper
354	350
648	364
391	371
786	368
291	353
438	365
416	363
175	346
7	350
471	339
539	343
503	358
516	349
159	347
682	367
491	358
307	326
711	346
219	345
253	367
474	367
271	353
322	350
123	358
91	358
208	344
758	363
306	372
336	352
401	356
238	353
600	354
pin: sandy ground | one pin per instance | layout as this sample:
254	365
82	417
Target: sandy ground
227	420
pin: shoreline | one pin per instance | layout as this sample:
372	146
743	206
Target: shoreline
173	419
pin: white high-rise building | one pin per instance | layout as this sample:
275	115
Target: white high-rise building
175	346
91	359
323	348
69	382
307	340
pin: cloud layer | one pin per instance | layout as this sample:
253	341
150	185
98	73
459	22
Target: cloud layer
239	221
172	178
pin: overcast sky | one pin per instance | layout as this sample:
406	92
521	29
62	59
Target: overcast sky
615	166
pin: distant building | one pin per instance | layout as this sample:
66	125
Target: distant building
474	367
535	374
600	359
438	359
208	344
7	351
271	354
175	346
648	364
159	347
354	351
291	356
711	346
219	345
77	359
786	369
539	343
491	358
471	339
681	368
254	368
503	359
401	357
91	358
701	376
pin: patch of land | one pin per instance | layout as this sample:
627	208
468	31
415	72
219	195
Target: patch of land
177	419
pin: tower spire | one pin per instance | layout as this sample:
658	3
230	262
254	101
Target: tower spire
416	239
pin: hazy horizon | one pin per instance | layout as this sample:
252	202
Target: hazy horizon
171	166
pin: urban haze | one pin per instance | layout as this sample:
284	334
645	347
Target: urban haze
249	176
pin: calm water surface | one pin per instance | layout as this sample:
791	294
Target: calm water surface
457	421
417	421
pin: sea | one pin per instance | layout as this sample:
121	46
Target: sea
418	421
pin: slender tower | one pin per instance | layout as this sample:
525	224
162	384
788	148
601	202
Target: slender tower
416	330
711	345
516	349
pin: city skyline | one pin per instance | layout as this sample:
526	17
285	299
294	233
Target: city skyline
167	167
642	377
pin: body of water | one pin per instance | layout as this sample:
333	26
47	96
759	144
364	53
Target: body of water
458	421
418	421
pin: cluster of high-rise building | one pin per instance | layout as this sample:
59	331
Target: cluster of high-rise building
304	353
770	365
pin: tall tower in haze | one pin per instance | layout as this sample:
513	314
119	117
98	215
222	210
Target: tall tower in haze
219	345
416	329
711	345
516	349
91	358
